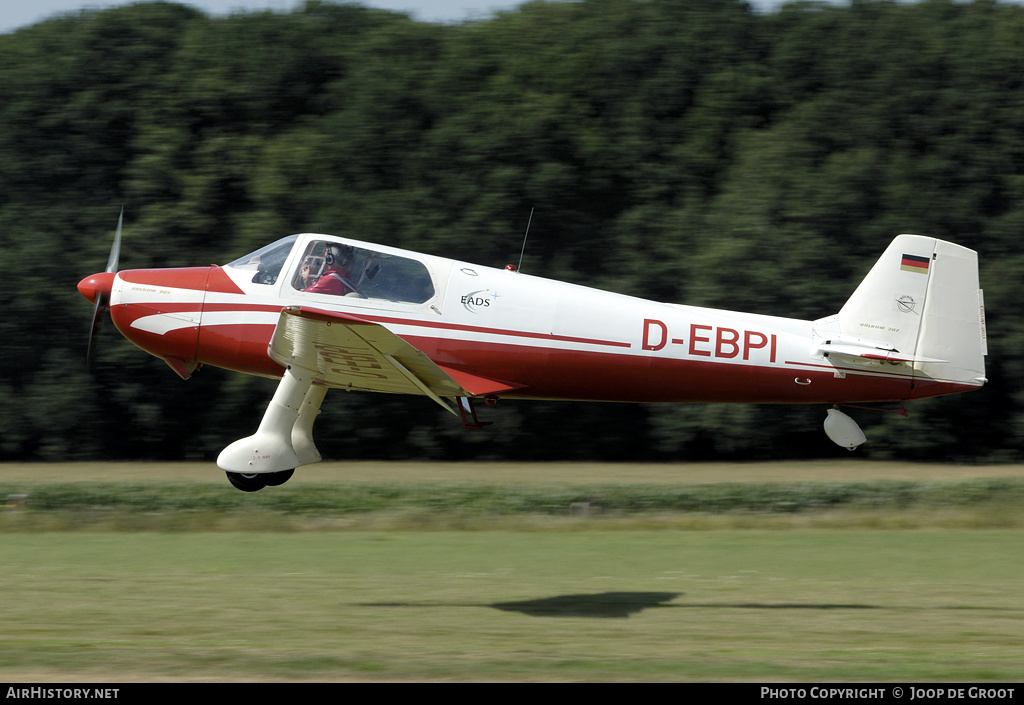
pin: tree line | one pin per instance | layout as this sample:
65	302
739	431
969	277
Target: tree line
692	151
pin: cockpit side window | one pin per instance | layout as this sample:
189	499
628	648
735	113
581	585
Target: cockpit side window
266	262
343	270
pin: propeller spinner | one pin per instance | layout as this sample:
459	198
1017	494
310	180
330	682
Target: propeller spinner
97	287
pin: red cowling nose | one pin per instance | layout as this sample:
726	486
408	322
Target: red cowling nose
97	284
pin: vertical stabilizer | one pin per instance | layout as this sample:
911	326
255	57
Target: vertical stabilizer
888	307
920	305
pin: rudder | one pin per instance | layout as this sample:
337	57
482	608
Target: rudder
953	323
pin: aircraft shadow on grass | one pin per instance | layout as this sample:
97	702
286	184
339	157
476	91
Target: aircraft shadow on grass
605	604
620	605
625	604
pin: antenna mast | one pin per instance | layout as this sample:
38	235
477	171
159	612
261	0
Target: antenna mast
520	267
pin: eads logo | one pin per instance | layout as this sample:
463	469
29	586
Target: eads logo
476	300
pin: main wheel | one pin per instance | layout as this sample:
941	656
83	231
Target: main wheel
274	479
247	483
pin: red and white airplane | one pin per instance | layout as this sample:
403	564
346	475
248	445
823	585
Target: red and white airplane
322	312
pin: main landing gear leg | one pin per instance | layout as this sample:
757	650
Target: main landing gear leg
302	431
268	457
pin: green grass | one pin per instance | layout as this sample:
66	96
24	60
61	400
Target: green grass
415	572
976	503
808	605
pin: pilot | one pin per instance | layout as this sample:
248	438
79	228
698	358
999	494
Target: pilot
335	278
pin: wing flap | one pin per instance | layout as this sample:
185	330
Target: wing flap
479	386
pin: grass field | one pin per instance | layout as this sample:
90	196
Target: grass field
551	599
365	472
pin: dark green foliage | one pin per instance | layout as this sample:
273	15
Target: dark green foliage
688	151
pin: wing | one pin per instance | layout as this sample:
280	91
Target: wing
348	352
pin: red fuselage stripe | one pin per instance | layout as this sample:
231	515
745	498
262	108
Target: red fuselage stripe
496	331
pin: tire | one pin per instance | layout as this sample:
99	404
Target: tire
275	479
247	483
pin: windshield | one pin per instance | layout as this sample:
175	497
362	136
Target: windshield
266	262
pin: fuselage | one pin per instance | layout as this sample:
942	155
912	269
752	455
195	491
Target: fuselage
547	339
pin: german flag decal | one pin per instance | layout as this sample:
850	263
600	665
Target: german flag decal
913	263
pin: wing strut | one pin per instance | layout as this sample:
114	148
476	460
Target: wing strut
467	411
419	384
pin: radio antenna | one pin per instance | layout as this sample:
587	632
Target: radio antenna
520	267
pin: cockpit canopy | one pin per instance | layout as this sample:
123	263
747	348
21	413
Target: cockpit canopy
344	270
335	267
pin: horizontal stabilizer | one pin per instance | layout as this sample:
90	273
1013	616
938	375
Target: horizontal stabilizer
867	351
